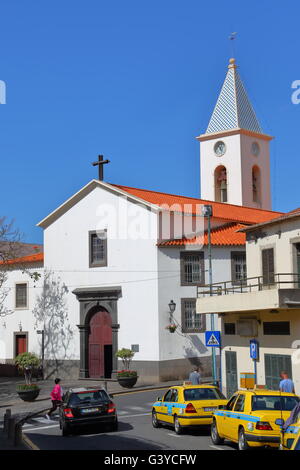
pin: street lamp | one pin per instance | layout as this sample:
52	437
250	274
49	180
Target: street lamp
172	306
207	211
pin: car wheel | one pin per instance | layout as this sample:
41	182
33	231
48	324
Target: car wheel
177	426
242	444
155	422
65	430
115	426
215	437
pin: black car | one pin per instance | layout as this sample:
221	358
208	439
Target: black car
84	407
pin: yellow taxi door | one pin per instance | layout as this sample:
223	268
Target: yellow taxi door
167	407
237	414
224	421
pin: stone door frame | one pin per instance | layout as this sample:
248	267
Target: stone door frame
90	298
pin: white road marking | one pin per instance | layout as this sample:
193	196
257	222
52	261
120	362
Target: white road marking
172	434
136	408
38	428
217	448
134	416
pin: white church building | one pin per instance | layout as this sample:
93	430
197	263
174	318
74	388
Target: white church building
116	259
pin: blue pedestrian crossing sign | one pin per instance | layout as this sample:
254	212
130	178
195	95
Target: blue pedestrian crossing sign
254	349
213	339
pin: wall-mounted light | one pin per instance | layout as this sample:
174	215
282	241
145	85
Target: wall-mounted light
172	306
20	326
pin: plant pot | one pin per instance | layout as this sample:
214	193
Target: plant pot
29	395
128	382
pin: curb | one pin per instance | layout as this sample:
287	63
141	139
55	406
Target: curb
28	443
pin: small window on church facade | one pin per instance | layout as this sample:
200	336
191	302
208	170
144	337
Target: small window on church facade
98	248
238	267
256	184
191	321
192	268
221	185
21	295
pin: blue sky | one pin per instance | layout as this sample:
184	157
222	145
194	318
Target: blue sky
136	81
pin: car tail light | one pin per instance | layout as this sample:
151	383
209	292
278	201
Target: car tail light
68	413
111	408
190	408
264	426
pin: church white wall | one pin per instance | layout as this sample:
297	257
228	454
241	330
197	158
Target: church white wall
262	160
231	160
132	264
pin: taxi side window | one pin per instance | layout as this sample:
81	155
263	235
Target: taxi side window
240	403
174	395
168	396
231	402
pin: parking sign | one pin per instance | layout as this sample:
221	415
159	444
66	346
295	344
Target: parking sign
254	349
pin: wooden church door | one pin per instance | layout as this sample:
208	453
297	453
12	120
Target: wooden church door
100	344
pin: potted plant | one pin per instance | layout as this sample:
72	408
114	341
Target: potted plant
172	327
127	378
26	362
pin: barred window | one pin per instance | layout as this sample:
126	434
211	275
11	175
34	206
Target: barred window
98	248
21	295
238	267
192	268
190	320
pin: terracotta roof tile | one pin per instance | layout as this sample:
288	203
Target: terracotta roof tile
229	212
36	258
225	235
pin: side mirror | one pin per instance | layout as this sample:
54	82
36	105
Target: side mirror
110	395
279	422
158	399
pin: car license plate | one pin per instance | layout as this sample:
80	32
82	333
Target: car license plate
210	409
89	410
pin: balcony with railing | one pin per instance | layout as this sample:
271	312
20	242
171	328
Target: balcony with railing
275	291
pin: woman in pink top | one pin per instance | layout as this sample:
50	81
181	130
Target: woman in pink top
56	397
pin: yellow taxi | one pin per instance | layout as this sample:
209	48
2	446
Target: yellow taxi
249	418
290	437
187	405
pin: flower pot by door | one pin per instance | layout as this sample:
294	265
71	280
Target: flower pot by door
127	382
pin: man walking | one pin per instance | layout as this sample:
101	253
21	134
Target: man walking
286	385
195	377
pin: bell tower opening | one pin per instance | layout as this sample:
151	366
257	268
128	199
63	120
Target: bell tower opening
256	184
221	185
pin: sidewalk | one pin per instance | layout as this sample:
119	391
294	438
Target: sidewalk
10	399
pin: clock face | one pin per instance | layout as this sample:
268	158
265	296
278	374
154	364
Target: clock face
220	148
255	148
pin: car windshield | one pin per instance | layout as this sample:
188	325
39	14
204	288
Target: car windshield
203	394
271	402
88	397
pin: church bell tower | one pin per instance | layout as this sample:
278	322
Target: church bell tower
235	153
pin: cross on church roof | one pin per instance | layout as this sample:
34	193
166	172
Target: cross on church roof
100	164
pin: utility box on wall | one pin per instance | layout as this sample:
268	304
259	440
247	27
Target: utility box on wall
247	380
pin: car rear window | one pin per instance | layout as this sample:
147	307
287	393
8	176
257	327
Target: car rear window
274	403
88	397
202	394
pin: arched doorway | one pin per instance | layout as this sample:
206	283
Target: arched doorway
100	344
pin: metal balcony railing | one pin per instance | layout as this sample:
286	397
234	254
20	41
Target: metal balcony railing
251	284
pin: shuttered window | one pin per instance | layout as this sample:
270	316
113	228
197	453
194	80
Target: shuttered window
191	321
192	268
238	267
21	295
268	269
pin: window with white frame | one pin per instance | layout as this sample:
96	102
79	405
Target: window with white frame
98	248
